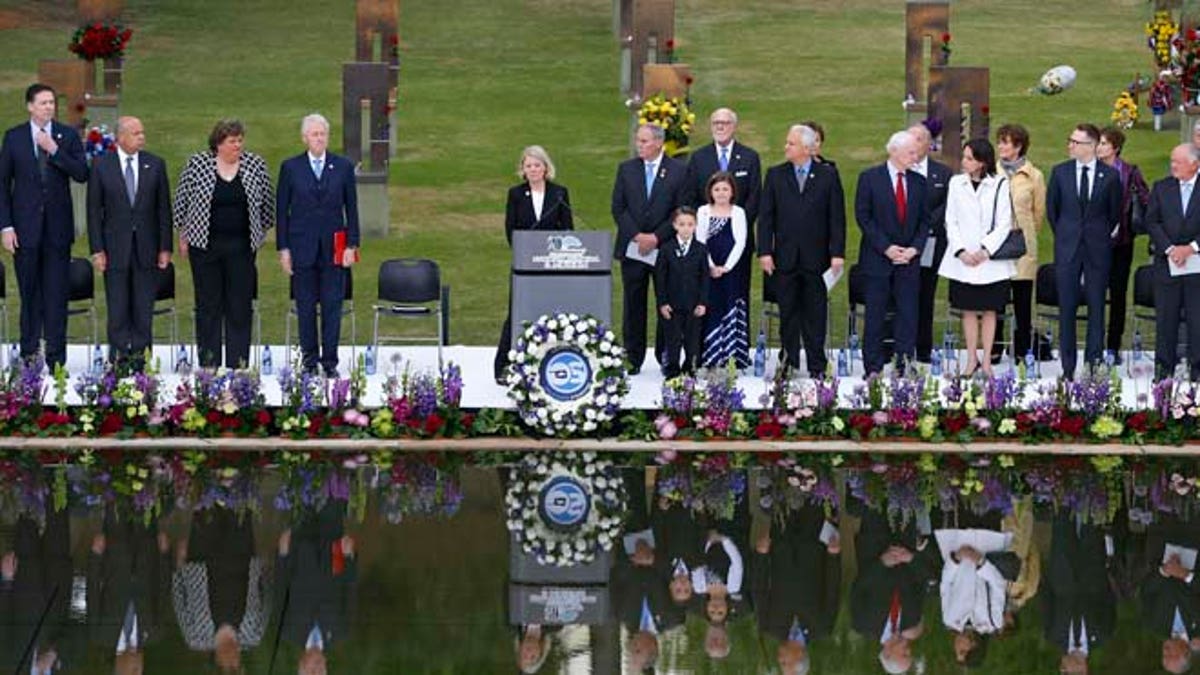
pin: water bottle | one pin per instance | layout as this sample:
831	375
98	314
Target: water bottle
843	363
14	355
369	360
1137	345
1110	359
268	365
935	362
183	364
760	354
854	352
1030	364
98	360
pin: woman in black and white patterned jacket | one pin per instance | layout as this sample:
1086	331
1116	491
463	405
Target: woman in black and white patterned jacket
224	205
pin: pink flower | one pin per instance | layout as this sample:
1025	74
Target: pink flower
667	456
667	431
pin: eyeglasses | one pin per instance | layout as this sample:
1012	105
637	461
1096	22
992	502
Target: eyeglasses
1074	141
722	123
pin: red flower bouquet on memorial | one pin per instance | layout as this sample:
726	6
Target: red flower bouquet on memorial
100	41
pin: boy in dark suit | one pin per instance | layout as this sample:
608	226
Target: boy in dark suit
681	282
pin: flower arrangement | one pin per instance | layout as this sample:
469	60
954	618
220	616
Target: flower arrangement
116	403
673	114
134	484
24	489
420	485
945	48
221	401
302	413
228	480
99	141
790	482
565	508
100	41
1185	63
708	405
1125	111
423	405
567	375
1161	32
1089	487
311	479
710	484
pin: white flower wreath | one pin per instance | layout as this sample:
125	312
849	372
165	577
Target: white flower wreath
565	507
567	375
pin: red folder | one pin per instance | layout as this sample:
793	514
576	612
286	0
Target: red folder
339	247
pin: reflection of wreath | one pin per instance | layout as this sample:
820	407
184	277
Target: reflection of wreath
567	375
565	507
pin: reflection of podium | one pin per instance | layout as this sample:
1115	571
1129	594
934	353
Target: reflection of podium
557	605
560	271
524	568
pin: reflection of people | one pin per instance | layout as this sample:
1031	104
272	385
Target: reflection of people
316	583
1078	607
640	602
1170	602
128	588
795	585
802	233
224	205
317	201
35	597
129	229
681	285
894	569
646	191
219	588
892	209
533	644
38	161
536	203
973	589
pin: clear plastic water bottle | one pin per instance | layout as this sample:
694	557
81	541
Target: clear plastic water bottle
1030	363
14	355
935	362
98	360
268	364
1110	359
843	363
1137	345
854	351
183	364
760	354
369	360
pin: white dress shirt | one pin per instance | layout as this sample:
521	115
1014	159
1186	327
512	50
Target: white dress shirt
137	176
1091	177
539	198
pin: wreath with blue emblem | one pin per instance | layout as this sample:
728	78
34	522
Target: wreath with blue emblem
565	507
567	375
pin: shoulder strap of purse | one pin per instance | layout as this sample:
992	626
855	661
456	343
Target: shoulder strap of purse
995	203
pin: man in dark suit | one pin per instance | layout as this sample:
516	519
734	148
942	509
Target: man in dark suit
802	234
795	584
647	189
725	153
937	180
128	588
37	224
1170	602
129	230
316	586
1173	220
891	205
36	633
1078	607
681	282
1083	205
316	204
895	566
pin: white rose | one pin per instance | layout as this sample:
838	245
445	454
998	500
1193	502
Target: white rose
589	426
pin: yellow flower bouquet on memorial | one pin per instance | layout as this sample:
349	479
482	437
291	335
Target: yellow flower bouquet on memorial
1125	111
674	116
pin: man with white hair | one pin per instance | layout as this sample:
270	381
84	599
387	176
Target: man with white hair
802	234
937	179
1174	227
317	237
891	205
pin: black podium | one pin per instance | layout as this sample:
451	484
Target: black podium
560	271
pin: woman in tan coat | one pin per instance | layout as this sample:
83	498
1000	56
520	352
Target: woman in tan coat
1028	189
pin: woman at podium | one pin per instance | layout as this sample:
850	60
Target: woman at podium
536	203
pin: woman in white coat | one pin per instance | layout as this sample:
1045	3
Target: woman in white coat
978	220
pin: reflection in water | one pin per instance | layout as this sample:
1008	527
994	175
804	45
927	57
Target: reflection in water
416	571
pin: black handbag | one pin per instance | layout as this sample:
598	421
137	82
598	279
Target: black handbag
1013	246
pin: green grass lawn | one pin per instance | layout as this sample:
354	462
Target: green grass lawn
480	79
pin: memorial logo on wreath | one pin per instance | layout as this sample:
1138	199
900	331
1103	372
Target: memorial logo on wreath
564	502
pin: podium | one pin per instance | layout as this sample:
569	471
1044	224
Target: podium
560	271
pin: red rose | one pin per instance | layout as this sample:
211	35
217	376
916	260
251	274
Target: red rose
670	44
230	422
1191	35
954	422
468	421
111	424
769	429
336	421
945	37
315	424
1138	422
213	417
45	419
861	423
264	418
433	423
681	422
1071	425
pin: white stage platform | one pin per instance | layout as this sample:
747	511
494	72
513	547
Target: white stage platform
481	391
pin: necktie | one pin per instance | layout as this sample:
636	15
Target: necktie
43	158
646	624
724	159
128	640
801	178
1084	189
130	180
317	168
1178	629
315	639
901	200
683	248
796	633
894	613
649	179
1185	191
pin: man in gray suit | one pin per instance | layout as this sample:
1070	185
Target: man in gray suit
129	230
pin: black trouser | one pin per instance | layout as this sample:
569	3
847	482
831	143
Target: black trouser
682	331
1066	276
324	284
500	364
803	312
1024	339
1118	292
925	309
224	278
43	281
130	295
1171	295
636	278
